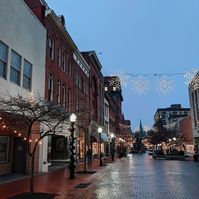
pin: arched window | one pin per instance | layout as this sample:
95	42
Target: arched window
51	45
64	61
59	56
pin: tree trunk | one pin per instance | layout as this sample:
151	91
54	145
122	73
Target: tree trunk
85	152
32	173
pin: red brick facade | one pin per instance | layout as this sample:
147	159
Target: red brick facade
186	129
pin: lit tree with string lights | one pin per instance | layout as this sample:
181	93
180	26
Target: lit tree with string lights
33	117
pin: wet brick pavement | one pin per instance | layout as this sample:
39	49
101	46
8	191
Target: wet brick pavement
137	177
141	177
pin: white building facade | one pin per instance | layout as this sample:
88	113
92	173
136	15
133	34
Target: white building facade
22	63
194	104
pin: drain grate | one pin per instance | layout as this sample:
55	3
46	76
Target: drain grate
82	185
86	172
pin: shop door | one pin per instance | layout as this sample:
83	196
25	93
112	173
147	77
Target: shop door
19	156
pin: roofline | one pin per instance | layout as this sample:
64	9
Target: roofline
50	13
92	52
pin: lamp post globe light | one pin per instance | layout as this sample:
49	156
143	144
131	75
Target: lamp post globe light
72	147
100	131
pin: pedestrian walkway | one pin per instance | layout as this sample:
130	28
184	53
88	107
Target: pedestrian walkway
136	177
56	182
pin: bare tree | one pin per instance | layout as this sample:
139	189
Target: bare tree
33	116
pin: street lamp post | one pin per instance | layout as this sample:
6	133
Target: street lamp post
112	146
72	147
100	131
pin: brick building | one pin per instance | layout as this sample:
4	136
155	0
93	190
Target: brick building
187	134
96	100
66	83
120	127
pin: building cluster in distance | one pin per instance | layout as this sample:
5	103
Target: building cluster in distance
39	57
185	121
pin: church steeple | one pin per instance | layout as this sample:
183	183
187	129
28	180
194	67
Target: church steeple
141	131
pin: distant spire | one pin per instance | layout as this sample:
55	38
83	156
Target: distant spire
141	131
140	128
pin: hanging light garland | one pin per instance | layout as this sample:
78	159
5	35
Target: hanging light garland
15	133
140	85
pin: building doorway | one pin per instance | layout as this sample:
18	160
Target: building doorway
19	156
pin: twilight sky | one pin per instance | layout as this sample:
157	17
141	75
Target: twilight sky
138	37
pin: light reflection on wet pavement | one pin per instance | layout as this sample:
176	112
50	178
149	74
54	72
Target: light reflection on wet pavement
141	177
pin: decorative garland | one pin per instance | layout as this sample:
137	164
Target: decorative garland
140	84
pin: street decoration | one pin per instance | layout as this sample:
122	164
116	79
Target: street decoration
164	84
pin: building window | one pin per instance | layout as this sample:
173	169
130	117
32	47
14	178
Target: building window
3	59
82	84
64	61
4	152
77	80
77	105
67	63
58	91
51	46
27	75
15	69
50	87
64	96
69	69
194	110
59	56
69	101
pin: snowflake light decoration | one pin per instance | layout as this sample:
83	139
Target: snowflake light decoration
123	77
140	85
189	75
165	85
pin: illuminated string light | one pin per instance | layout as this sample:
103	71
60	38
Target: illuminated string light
165	85
19	134
40	142
162	86
36	140
25	139
4	126
189	75
30	140
140	85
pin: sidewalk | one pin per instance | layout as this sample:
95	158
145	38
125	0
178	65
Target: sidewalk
56	182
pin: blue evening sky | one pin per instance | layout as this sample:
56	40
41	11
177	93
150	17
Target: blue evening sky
138	36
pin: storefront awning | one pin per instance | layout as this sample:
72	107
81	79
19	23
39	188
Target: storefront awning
104	137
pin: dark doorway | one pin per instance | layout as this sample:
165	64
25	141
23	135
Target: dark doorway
19	156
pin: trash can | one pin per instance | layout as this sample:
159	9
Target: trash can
195	157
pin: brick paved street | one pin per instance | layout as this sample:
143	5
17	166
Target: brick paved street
141	177
137	177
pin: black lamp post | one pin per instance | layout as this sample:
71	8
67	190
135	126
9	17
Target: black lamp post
72	147
112	146
100	131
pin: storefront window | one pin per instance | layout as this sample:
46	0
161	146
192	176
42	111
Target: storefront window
4	149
